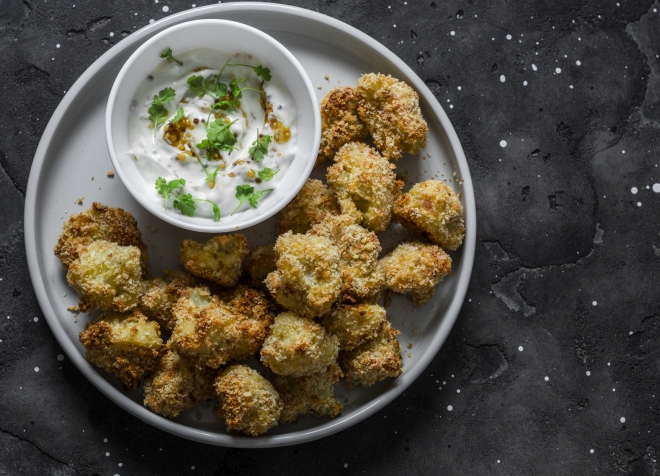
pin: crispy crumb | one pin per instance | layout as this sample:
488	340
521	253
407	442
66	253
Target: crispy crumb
92	177
409	345
414	332
318	87
80	200
73	309
326	77
110	173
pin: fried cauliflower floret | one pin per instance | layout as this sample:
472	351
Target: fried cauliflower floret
309	394
219	260
99	223
298	346
313	203
354	324
158	295
125	344
365	185
340	122
211	333
415	268
373	361
248	402
176	385
390	109
433	210
308	275
259	263
107	276
358	251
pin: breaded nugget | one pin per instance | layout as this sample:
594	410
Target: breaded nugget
298	346
308	275
259	263
158	295
176	385
168	391
99	223
125	344
312	204
433	210
219	260
340	123
354	324
210	333
107	276
358	251
390	109
365	185
309	394
415	268
373	361
247	401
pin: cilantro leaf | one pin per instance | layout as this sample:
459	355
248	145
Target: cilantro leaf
164	96
263	72
216	211
255	197
166	188
196	85
243	194
167	54
185	203
157	112
260	146
178	116
219	137
267	174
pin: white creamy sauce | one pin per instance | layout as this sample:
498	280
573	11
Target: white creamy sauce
156	157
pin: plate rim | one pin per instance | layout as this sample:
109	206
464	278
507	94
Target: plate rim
229	440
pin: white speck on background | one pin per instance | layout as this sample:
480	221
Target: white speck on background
639	204
502	78
623	419
193	468
595	303
502	144
524	83
534	67
634	190
578	62
508	37
36	369
166	8
452	33
60	357
458	390
345	465
112	33
546	378
520	349
558	70
459	88
120	464
107	454
588	373
623	151
450	408
57	45
591	451
656	187
151	20
36	319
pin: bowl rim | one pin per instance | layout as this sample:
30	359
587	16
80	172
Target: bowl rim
211	226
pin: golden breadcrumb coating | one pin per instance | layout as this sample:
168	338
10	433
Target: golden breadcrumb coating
308	275
375	360
125	344
340	123
390	109
107	276
298	346
309	394
176	385
313	203
219	260
247	401
358	251
168	391
259	263
365	185
415	268
99	223
433	210
354	324
158	295
210	333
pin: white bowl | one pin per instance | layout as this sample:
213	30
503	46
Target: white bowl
231	37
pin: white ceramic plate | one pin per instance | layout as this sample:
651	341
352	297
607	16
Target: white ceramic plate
71	162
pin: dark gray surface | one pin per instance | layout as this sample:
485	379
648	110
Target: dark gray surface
546	377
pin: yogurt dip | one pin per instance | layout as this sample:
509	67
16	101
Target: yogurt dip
219	121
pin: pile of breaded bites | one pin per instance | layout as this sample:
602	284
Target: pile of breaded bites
306	305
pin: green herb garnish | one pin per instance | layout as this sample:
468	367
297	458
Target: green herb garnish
166	188
167	54
246	193
178	116
267	174
219	137
200	86
260	146
157	112
260	71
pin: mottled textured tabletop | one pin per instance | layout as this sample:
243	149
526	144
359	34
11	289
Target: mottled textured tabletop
554	363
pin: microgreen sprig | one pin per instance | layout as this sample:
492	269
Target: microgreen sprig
157	112
184	203
246	193
178	116
219	137
260	146
267	174
167	54
166	188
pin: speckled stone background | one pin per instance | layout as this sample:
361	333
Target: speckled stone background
554	363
